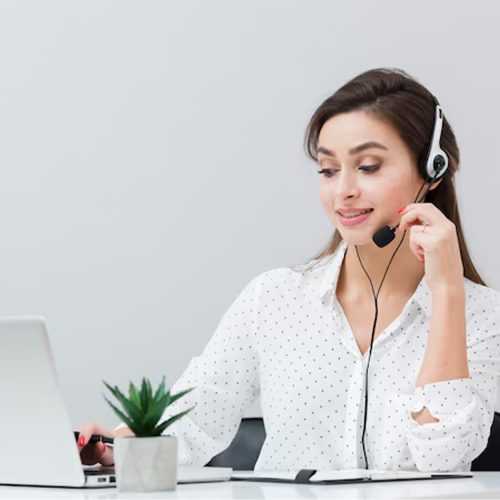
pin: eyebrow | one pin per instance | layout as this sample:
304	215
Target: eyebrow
354	150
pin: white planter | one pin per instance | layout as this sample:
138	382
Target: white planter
146	464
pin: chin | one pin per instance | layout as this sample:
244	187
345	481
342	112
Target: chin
360	239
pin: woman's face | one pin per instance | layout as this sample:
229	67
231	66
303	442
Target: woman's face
365	165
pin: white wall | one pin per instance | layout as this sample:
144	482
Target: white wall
152	163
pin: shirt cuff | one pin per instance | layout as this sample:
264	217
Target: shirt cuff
443	398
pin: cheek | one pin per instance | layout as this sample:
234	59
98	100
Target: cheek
402	189
326	196
384	190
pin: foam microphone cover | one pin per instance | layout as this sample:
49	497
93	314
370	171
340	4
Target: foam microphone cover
384	236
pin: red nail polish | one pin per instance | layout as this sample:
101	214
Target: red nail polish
401	210
81	441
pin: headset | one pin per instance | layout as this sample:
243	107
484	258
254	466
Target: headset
432	164
431	167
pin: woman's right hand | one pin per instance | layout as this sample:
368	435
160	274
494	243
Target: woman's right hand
98	453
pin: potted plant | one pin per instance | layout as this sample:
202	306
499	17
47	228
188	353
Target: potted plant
146	461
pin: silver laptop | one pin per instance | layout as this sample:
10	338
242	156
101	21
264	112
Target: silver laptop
37	442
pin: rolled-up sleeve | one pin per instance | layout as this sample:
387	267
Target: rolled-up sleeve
226	380
464	408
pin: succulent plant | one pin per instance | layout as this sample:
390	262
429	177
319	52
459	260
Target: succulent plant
142	410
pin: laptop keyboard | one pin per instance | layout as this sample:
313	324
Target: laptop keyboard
99	472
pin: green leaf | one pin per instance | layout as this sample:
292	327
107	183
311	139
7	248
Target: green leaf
132	411
155	413
175	397
146	394
130	424
160	428
167	398
160	392
134	395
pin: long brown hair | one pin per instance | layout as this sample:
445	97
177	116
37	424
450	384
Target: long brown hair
395	97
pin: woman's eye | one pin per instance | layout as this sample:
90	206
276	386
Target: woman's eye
369	168
327	172
330	172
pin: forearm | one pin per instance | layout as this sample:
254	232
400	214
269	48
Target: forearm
123	432
445	356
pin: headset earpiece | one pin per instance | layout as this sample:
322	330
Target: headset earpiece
434	164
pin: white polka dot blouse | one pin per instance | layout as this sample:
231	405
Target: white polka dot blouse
286	339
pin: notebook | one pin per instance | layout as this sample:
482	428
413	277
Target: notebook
313	476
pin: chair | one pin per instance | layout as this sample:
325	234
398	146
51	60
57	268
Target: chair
490	457
244	450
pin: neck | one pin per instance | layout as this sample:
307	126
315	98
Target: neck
403	276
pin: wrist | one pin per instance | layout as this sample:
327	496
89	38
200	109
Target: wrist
449	291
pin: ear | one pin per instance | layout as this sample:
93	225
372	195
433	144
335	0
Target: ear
435	185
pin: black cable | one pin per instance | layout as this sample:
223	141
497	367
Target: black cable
375	296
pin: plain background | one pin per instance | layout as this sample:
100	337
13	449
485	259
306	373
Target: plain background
152	159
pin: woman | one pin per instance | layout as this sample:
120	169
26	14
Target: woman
401	378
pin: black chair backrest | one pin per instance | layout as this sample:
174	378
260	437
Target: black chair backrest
490	457
244	450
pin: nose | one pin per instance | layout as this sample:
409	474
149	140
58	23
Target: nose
347	185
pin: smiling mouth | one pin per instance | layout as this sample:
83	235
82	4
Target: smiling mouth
353	215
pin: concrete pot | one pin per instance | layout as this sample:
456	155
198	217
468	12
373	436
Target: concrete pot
146	463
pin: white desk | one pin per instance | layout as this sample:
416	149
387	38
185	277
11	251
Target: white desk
482	485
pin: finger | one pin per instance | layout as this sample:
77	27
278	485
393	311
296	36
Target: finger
100	449
416	213
419	253
104	454
86	431
90	428
415	217
419	241
420	229
421	257
428	207
84	434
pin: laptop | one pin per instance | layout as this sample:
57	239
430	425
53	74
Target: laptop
37	441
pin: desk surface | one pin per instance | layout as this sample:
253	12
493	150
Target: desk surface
482	485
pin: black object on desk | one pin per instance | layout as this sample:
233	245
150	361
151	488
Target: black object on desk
96	438
304	477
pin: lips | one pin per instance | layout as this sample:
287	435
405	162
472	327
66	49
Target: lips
353	212
354	220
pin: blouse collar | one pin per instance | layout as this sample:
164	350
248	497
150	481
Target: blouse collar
330	275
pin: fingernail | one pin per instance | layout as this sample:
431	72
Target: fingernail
400	210
103	447
81	441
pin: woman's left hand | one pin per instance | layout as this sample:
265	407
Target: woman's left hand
434	241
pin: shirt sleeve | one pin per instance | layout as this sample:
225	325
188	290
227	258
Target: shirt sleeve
225	378
464	407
